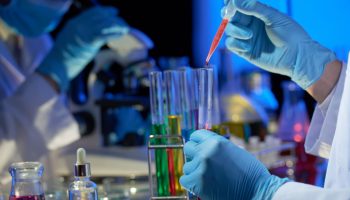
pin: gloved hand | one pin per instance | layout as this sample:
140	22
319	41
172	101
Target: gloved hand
276	43
33	18
79	42
219	170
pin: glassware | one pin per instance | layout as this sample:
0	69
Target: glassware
293	127
174	127
26	181
205	100
294	120
188	101
159	128
82	188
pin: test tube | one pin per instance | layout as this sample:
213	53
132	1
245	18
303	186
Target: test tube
187	102
205	98
174	111
203	93
159	128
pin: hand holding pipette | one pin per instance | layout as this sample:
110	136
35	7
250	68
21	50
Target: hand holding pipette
275	42
229	12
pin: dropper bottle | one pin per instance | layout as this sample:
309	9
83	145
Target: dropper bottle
82	188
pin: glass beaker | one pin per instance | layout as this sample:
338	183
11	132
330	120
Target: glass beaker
26	181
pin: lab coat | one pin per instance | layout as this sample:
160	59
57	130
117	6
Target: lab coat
33	117
328	137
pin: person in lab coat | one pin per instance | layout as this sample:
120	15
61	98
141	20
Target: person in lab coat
35	73
218	169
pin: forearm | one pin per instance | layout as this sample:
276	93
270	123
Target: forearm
321	88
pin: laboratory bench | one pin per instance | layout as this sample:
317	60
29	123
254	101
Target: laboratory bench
121	173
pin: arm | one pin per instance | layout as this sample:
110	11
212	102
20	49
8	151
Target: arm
35	113
322	88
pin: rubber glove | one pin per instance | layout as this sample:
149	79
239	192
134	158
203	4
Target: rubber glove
276	43
33	18
79	41
219	170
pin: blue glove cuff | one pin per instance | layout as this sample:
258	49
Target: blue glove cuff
309	66
267	188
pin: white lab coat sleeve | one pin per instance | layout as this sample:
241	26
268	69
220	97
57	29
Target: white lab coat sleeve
322	128
37	119
300	191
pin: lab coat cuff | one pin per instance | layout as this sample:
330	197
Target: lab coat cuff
300	191
322	128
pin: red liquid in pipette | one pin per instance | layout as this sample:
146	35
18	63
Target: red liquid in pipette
216	39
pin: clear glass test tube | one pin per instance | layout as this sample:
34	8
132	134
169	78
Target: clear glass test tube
188	102
174	114
159	128
205	97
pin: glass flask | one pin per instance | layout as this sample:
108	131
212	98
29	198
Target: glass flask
294	120
26	181
293	126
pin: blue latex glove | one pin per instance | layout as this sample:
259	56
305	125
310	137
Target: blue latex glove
33	17
219	170
79	42
276	43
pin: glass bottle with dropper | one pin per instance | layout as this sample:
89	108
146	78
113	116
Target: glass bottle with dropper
229	11
82	188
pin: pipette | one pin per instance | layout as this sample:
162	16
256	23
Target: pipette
229	12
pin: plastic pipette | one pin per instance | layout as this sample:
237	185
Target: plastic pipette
229	12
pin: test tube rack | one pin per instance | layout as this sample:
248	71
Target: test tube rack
151	147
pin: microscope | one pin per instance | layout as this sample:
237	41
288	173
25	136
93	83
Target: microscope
109	99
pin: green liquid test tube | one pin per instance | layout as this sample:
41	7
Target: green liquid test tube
161	162
159	128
